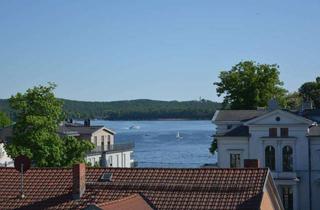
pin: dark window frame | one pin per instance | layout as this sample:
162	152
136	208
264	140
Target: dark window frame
287	158
235	160
273	132
287	197
270	157
284	132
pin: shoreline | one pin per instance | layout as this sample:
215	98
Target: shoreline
171	119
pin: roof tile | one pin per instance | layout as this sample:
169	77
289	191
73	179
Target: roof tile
205	188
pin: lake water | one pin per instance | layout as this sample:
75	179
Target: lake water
156	144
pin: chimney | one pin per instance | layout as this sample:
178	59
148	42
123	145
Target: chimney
78	180
251	163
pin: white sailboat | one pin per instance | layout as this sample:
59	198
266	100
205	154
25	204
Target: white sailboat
178	136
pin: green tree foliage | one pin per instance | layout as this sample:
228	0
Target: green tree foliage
249	85
4	120
38	114
75	150
141	109
310	91
293	101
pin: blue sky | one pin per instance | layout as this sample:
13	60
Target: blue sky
168	50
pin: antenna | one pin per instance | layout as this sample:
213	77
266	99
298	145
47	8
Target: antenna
22	163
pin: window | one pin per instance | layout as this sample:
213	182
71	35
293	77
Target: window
284	132
96	140
287	158
235	161
272	132
287	198
109	137
270	157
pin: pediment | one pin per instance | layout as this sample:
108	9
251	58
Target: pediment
279	117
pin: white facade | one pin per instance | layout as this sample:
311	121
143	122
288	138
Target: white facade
289	143
5	160
116	159
107	153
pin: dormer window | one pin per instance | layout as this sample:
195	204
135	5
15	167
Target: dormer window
272	132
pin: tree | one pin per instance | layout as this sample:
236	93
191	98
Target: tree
75	150
310	91
293	101
35	132
249	85
4	120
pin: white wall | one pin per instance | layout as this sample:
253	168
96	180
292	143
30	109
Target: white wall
100	134
232	145
259	140
5	160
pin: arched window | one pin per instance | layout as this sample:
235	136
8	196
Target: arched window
287	158
270	159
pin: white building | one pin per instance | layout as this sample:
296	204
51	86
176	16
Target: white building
107	153
5	160
287	143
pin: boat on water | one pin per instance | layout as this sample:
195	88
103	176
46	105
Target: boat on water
134	127
178	136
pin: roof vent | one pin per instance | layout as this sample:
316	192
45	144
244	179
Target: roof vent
106	177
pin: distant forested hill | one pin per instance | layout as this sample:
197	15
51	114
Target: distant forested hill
141	109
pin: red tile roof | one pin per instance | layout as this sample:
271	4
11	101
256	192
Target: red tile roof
206	188
133	202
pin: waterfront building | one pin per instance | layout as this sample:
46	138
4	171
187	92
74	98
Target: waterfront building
107	153
286	142
140	188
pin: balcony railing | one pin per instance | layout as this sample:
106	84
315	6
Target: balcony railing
113	148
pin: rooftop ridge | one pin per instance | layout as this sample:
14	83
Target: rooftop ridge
176	187
140	169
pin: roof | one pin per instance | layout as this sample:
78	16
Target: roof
203	188
237	115
133	202
81	129
314	131
284	112
312	114
237	132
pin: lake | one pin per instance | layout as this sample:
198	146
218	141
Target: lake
156	144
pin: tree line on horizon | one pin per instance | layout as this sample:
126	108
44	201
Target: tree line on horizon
141	109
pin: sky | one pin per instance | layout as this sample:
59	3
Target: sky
165	50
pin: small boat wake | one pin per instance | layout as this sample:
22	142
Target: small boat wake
178	137
134	127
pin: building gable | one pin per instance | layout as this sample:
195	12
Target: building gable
279	117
